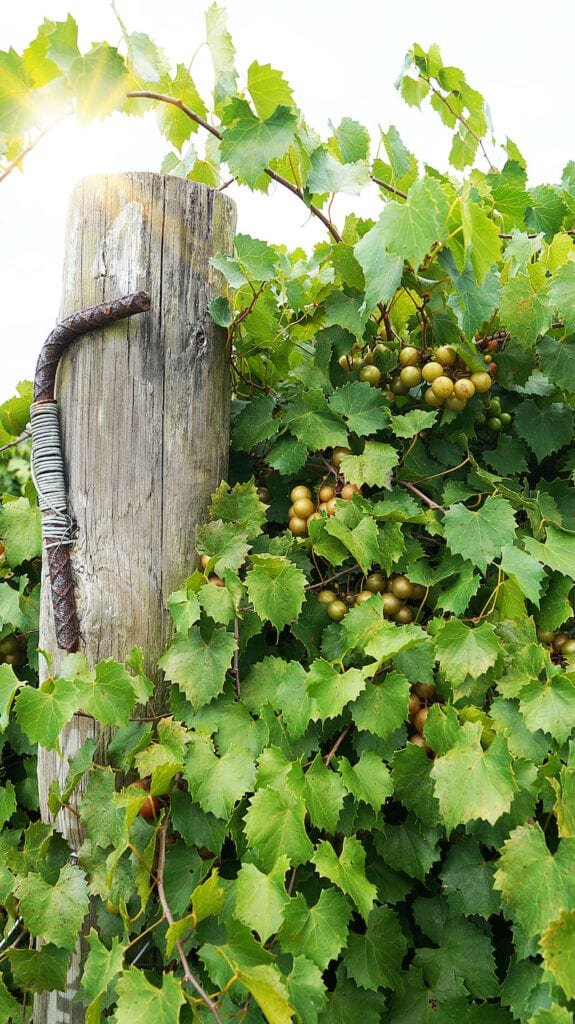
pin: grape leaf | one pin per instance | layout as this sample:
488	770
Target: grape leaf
224	543
525	309
525	569
365	629
347	872
40	970
320	931
362	542
550	706
368	779
480	536
375	957
276	588
468	880
10	1008
240	505
255	423
410	229
199	666
489	781
545	427
557	358
100	81
413	786
268	89
20	530
558	551
261	898
222	52
274	825
249	143
42	714
372	467
561	301
535	883
107	693
217	783
313	422
464	650
382	707
101	967
324	795
382	270
9	684
558	946
266	986
306	990
54	911
363	406
138	999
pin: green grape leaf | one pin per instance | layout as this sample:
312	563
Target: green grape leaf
249	144
481	238
100	81
525	569
327	174
364	629
199	666
472	305
545	427
412	783
368	779
480	536
375	958
101	967
10	1008
138	999
20	530
558	551
410	849
173	123
268	89
255	423
183	604
550	706
287	455
217	783
276	588
313	422
222	52
546	210
9	684
240	505
40	970
525	310
564	808
54	911
471	782
410	229
536	885
261	899
266	986
363	406
467	880
382	707
274	825
362	542
382	270
558	947
464	650
372	467
225	544
319	932
42	714
306	990
7	802
561	301
107	693
347	872
557	358
331	690
412	422
324	795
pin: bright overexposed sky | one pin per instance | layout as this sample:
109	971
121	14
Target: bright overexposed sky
341	58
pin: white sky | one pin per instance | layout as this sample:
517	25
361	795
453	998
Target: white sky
341	58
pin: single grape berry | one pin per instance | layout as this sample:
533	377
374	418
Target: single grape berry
410	376
482	381
370	374
409	355
442	387
336	610
432	370
446	355
300	492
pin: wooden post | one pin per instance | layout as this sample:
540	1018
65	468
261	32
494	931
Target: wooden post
144	409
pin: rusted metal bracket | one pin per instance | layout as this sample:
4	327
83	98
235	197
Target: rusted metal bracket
47	458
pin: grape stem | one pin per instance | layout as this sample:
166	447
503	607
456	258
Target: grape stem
169	918
415	490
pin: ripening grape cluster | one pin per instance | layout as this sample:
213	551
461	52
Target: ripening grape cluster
303	508
561	642
395	592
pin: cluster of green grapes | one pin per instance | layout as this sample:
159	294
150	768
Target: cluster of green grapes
493	419
395	593
303	508
559	640
447	378
13	651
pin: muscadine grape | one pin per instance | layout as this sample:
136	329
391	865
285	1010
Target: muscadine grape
264	494
391	605
343	362
494	424
568	647
216	581
348	490
403	616
303	507
298	526
204	559
425	691
418	591
326	492
362	596
493	344
336	610
442	387
464	388
410	376
505	418
401	587
418	741
370	374
559	639
430	398
409	355
398	387
330	506
431	370
369	357
420	718
300	492
375	582
445	355
326	596
338	454
481	380
455	404
414	704
545	636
